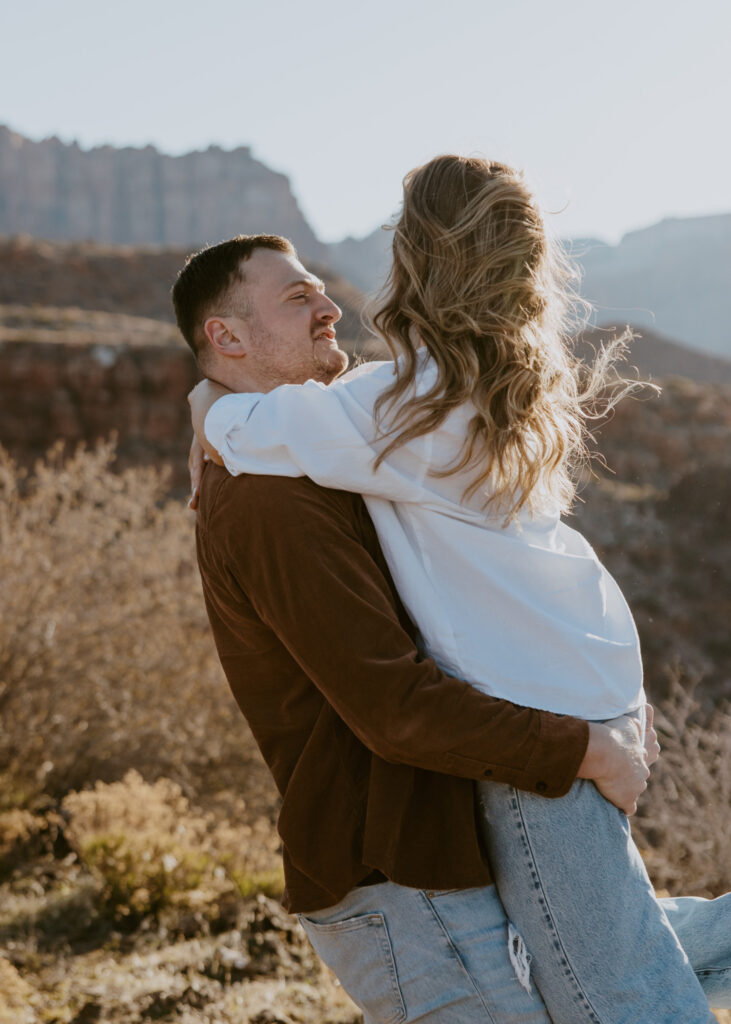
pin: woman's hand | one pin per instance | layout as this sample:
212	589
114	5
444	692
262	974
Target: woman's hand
197	459
200	399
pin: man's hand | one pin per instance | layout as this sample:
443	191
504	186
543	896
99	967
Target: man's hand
617	759
652	747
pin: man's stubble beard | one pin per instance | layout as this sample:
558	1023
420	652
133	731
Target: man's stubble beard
331	364
273	369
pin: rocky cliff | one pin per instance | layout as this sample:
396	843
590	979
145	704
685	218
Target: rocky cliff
78	392
671	277
88	346
141	196
121	279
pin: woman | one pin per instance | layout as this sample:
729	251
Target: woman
466	448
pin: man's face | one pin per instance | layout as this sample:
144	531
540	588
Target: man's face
288	323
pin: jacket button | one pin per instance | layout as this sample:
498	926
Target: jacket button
487	773
541	787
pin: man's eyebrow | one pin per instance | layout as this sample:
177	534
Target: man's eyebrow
306	282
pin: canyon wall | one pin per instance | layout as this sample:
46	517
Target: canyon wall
129	196
83	392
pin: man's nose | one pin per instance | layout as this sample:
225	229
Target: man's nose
328	311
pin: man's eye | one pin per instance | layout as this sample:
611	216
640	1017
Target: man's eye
300	295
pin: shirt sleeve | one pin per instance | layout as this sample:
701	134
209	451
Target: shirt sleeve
309	577
324	432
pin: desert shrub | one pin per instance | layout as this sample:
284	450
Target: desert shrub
684	826
151	850
106	660
106	664
17	998
24	835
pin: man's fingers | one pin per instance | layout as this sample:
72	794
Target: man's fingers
652	745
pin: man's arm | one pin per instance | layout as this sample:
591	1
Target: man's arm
297	555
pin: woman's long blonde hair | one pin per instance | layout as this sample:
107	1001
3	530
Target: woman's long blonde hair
477	281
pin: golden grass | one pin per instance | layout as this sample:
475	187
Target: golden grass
106	659
684	826
151	851
133	798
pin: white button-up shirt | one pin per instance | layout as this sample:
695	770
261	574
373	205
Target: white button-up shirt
526	611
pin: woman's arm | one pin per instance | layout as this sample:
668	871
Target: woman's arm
201	398
325	433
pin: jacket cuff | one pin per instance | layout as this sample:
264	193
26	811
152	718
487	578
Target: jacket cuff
560	748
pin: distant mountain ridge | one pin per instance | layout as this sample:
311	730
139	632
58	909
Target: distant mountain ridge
52	190
656	357
673	277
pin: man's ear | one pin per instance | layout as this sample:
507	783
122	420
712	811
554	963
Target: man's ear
224	337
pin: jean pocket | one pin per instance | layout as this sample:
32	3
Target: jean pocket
359	951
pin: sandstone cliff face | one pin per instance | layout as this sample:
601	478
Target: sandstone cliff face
140	196
81	392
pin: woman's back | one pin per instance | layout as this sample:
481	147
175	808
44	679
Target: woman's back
523	610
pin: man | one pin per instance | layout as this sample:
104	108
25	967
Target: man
374	750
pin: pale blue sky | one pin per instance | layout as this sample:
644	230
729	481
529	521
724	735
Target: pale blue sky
619	109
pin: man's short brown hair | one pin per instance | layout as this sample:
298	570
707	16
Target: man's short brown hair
207	278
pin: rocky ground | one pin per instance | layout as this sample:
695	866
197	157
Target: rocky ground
65	960
251	964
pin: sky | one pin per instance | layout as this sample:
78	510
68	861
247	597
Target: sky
617	111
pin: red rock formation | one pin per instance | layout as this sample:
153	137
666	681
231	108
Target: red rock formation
121	279
51	391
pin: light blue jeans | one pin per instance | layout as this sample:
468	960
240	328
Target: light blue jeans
408	955
603	949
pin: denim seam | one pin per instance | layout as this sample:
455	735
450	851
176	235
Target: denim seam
383	938
455	950
387	950
547	911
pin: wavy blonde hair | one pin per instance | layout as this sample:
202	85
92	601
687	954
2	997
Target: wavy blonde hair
476	280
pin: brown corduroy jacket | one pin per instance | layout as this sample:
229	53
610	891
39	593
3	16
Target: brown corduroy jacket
374	750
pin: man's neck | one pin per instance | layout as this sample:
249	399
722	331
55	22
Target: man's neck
230	373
